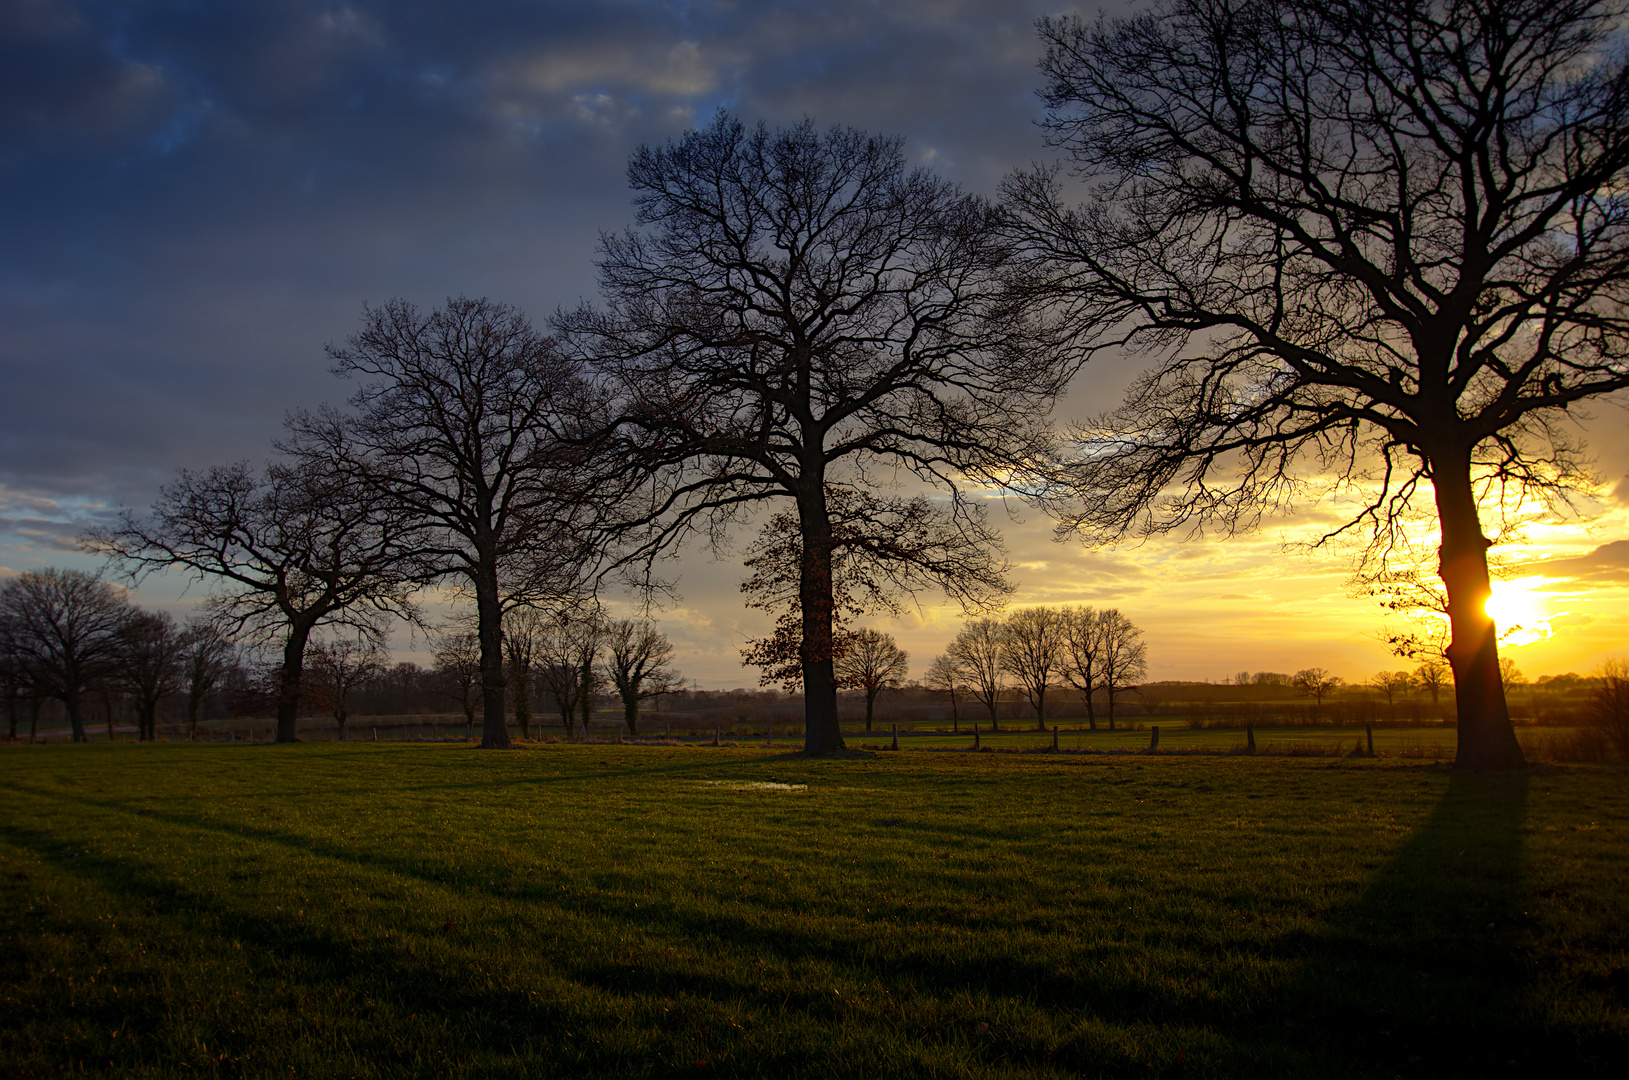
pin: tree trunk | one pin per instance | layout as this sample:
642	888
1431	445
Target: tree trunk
288	680
822	734
585	680
522	699
1487	739
870	705
489	628
339	721
630	713
1040	710
195	706
70	702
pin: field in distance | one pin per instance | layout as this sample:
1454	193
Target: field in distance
599	910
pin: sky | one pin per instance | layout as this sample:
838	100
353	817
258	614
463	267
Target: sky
196	198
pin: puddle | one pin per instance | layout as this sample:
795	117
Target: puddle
755	785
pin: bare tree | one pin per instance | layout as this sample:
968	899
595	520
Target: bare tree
13	679
63	629
469	423
1432	676
1316	683
300	545
1608	709
802	315
522	627
1390	684
1124	657
1376	245
458	661
340	666
207	654
874	662
976	652
638	663
1035	653
152	653
1083	656
568	656
943	674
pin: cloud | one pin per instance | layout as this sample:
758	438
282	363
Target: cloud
1608	563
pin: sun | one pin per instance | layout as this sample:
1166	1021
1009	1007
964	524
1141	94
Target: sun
1521	613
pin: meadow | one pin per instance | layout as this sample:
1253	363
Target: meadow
361	910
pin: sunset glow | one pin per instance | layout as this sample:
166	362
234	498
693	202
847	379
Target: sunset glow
1520	611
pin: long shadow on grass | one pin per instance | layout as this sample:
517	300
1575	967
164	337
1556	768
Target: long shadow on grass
1426	973
297	955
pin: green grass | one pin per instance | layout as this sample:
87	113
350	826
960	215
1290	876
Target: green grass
391	910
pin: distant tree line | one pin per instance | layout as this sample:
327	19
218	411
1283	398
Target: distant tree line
1034	651
69	637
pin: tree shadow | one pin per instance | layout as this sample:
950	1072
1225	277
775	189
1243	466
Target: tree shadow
1428	973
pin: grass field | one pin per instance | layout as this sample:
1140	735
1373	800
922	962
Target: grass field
591	910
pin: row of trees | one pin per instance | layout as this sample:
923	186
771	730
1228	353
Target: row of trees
568	654
1366	245
66	635
1035	649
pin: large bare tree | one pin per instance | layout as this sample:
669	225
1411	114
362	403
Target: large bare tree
470	424
302	544
796	314
1374	245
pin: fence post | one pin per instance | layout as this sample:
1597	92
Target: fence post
1250	738
1054	738
715	734
1154	737
896	736
1368	729
975	734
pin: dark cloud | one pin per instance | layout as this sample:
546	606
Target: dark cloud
1608	563
194	199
